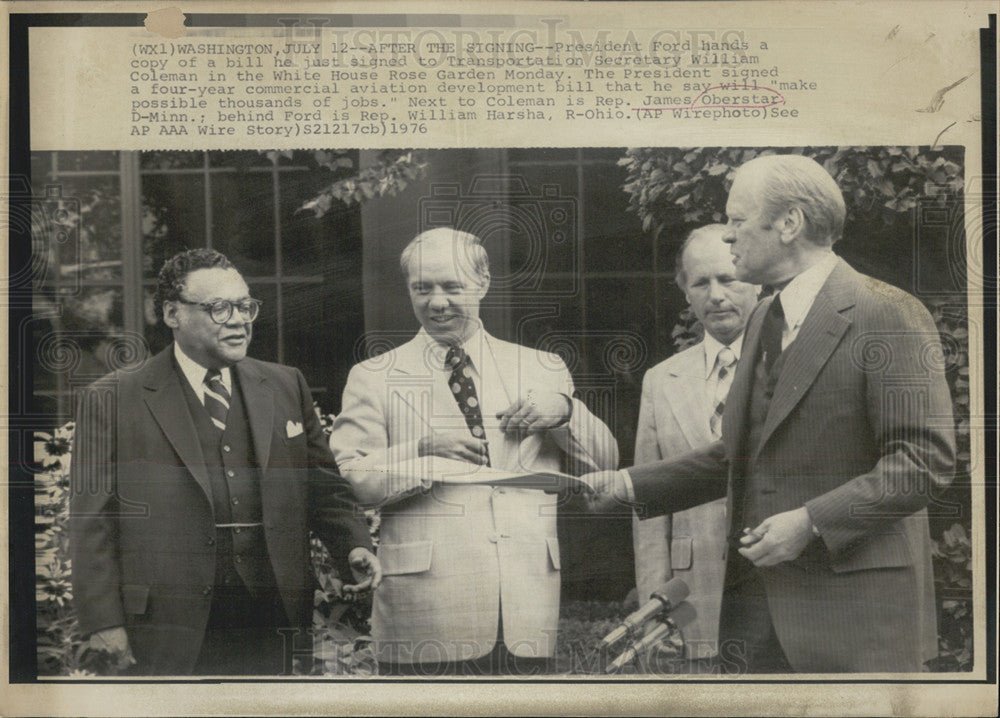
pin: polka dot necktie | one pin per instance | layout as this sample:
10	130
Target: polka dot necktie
216	398
726	362
463	388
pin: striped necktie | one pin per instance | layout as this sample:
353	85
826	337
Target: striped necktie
726	363
216	398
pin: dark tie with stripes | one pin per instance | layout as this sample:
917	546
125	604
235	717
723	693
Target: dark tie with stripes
216	398
463	388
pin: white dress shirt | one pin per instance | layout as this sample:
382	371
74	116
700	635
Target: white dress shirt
799	294
195	373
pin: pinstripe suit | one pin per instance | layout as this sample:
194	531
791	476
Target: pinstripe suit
859	431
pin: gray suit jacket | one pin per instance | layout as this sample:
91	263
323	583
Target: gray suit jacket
673	420
860	432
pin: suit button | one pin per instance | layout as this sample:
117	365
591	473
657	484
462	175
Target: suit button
235	501
238	559
207	590
211	542
226	448
230	473
494	538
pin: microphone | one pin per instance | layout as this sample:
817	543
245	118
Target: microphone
648	640
664	599
679	617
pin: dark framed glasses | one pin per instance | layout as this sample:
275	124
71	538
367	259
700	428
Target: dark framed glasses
221	310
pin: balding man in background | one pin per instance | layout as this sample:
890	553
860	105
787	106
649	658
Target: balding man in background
681	409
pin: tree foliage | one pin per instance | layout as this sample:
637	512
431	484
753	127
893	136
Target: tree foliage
389	174
670	186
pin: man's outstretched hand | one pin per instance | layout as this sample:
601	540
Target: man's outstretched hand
608	493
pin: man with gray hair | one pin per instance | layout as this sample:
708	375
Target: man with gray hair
836	434
472	572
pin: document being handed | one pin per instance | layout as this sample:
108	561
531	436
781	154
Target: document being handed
427	470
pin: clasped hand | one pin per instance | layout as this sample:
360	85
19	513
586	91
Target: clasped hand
782	537
535	412
367	570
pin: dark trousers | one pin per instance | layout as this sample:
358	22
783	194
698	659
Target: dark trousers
747	640
242	637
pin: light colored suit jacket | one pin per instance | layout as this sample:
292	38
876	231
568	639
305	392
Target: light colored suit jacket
860	432
142	525
453	555
673	420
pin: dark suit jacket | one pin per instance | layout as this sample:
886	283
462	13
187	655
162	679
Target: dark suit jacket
142	526
859	431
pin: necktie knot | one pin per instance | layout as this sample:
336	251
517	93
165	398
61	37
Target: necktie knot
455	358
776	310
725	361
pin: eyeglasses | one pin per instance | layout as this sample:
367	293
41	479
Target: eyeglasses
221	310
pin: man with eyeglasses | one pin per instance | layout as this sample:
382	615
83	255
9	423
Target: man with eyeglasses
195	481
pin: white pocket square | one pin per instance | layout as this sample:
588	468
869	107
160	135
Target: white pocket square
293	428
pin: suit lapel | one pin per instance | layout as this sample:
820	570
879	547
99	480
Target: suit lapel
258	399
821	332
163	394
685	396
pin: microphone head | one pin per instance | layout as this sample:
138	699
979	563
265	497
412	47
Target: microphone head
683	614
672	592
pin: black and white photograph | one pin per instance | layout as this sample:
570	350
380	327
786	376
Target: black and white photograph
567	417
605	343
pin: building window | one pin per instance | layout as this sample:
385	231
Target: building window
121	214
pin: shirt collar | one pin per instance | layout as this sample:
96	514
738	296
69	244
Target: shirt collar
473	346
712	348
195	372
798	296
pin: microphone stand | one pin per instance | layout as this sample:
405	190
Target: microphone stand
655	631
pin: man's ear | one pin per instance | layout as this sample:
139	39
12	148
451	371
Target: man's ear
791	224
170	314
484	287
